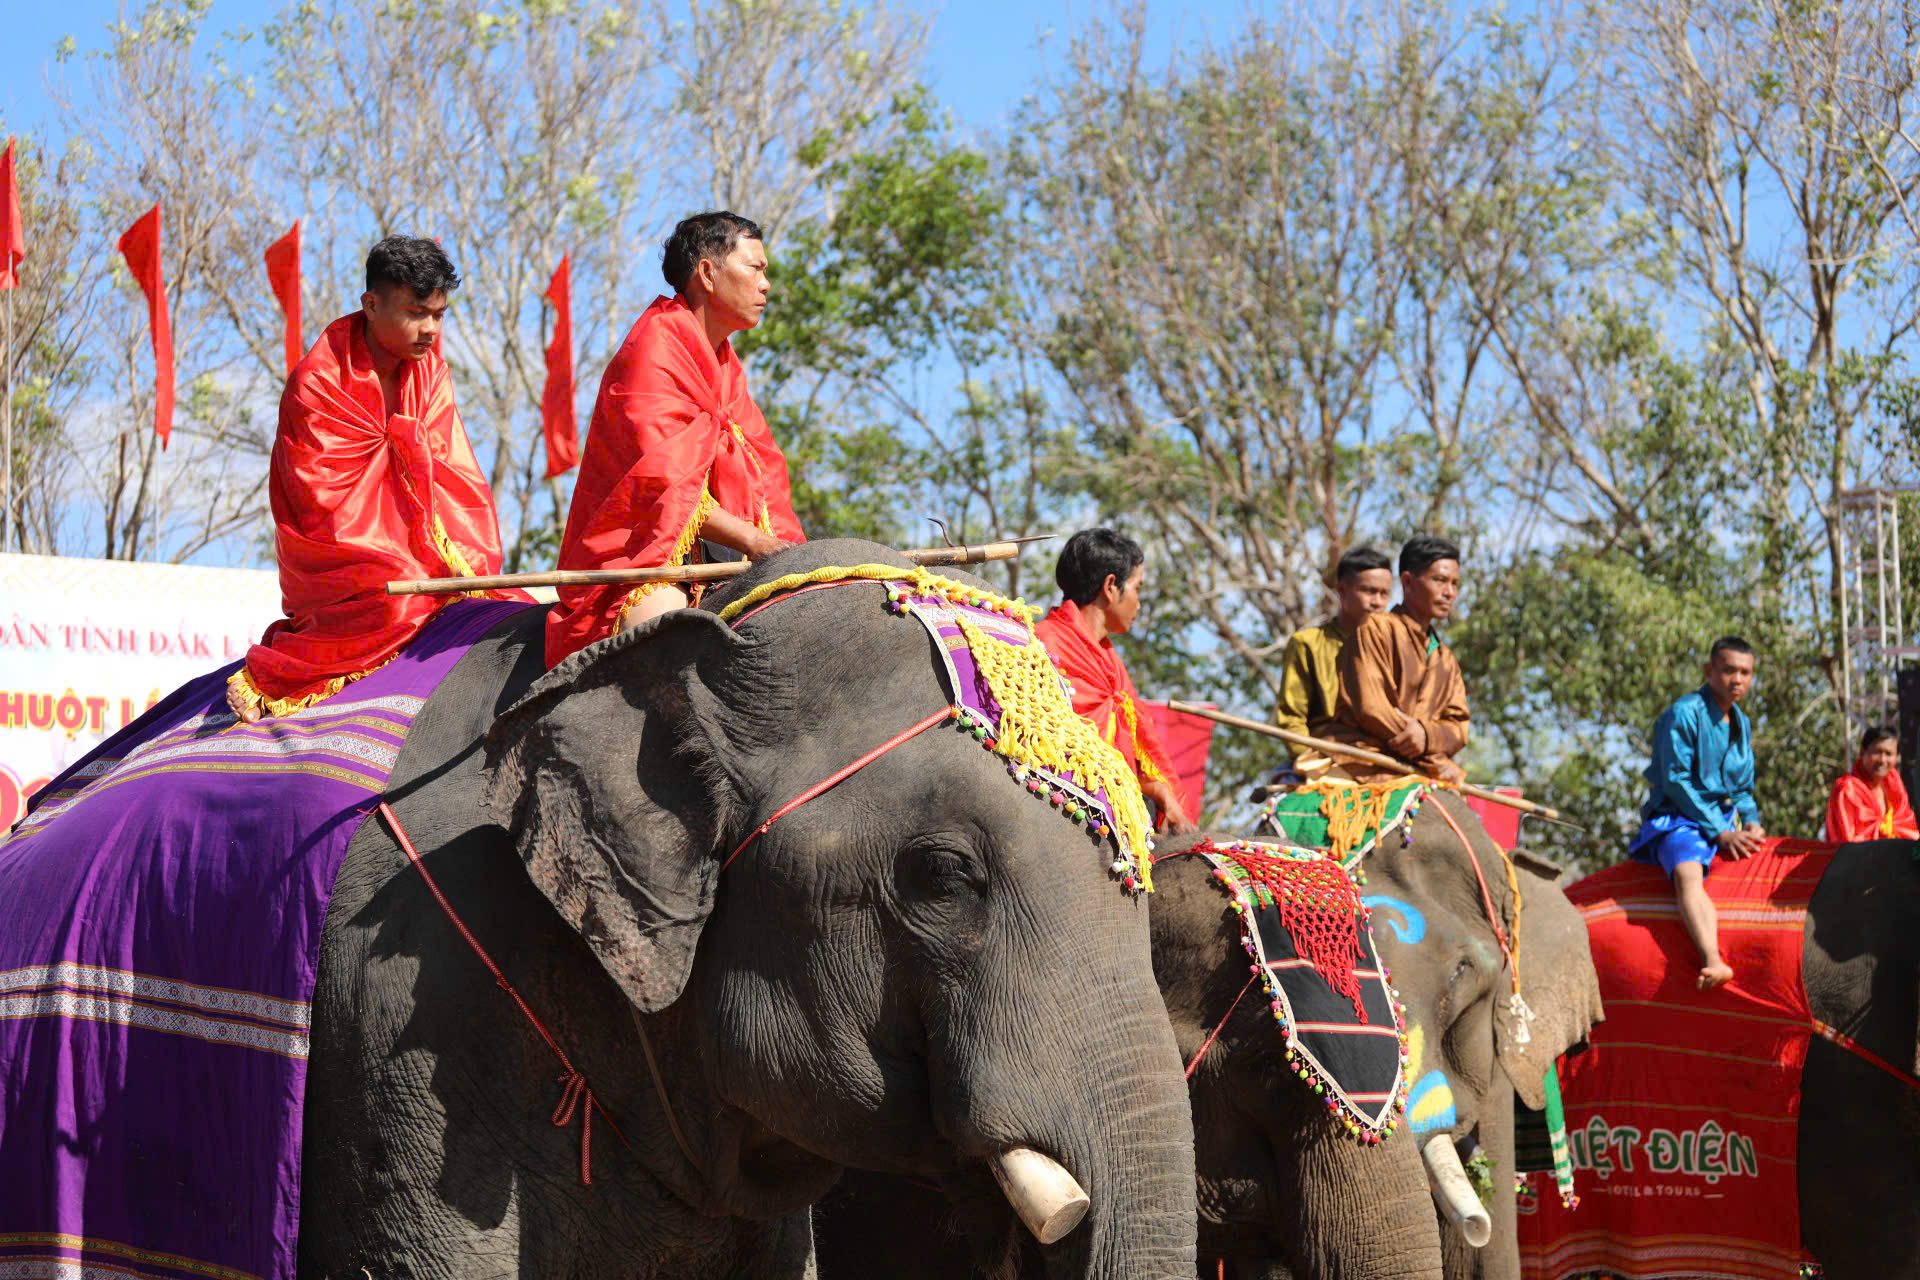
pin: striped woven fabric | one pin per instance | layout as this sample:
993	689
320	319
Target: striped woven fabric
1684	1115
1336	1014
164	902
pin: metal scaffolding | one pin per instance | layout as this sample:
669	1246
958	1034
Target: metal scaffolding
1873	626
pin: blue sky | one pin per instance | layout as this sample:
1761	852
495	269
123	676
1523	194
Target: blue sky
983	56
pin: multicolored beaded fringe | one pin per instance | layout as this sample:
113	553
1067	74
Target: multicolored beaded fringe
1015	704
1322	815
1361	1080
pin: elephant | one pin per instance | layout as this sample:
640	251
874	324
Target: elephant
1281	1189
1857	1135
1860	961
914	972
1470	1051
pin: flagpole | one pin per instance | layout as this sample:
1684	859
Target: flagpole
6	439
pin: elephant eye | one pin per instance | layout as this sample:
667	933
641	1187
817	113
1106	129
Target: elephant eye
942	870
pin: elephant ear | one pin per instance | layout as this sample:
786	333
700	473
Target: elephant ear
1557	979
607	778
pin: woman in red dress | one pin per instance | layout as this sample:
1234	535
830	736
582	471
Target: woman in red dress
1870	803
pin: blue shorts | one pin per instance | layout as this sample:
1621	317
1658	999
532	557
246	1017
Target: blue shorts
1669	840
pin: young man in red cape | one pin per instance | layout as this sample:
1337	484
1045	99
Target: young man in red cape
372	479
1870	803
677	452
1099	573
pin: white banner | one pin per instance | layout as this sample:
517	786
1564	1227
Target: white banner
88	645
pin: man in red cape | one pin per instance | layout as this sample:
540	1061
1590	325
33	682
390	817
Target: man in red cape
1099	573
1870	803
677	452
372	479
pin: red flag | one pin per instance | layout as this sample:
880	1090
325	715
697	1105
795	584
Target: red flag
283	275
13	236
141	246
556	401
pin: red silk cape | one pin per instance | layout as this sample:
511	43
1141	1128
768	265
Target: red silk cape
1858	810
674	434
358	499
1103	692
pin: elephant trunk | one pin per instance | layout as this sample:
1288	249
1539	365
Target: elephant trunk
1454	1193
1135	1161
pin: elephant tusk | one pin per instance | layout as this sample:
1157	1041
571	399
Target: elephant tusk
1045	1195
1453	1193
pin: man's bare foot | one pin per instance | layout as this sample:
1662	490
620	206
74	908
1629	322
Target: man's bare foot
1714	975
239	707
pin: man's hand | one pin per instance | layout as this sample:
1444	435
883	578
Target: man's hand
729	530
1447	771
1740	842
763	545
1411	742
1173	816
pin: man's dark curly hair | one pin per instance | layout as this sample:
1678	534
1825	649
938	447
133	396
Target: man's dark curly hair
413	263
704	235
1090	557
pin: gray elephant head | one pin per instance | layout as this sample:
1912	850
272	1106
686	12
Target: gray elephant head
1453	918
913	972
1283	1189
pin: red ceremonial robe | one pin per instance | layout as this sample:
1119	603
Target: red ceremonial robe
674	435
1103	692
358	499
1859	810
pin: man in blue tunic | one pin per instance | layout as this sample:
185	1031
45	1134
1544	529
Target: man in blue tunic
1701	801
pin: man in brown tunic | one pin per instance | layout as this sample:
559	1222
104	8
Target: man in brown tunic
1401	692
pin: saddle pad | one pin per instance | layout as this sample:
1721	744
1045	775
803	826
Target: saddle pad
1306	930
1303	816
165	899
1683	1116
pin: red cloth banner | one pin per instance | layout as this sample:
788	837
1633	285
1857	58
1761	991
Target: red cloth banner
141	248
1683	1116
1501	822
283	276
13	235
556	400
1188	741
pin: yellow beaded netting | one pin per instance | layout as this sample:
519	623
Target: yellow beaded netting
1353	810
1038	727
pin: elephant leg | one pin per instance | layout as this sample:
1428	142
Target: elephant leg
1859	1168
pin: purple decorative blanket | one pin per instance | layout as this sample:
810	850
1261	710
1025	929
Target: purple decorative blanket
160	918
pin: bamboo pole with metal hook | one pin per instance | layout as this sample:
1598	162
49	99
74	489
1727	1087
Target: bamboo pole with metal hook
1375	758
1005	549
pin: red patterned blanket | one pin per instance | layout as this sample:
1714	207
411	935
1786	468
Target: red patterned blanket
1683	1116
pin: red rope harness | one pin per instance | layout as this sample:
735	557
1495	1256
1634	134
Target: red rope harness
1486	894
574	1088
834	779
1221	1025
1836	1036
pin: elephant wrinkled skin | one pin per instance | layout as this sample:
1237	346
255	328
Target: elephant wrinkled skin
913	972
1468	1054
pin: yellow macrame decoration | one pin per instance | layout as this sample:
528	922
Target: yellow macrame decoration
1038	728
1353	810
